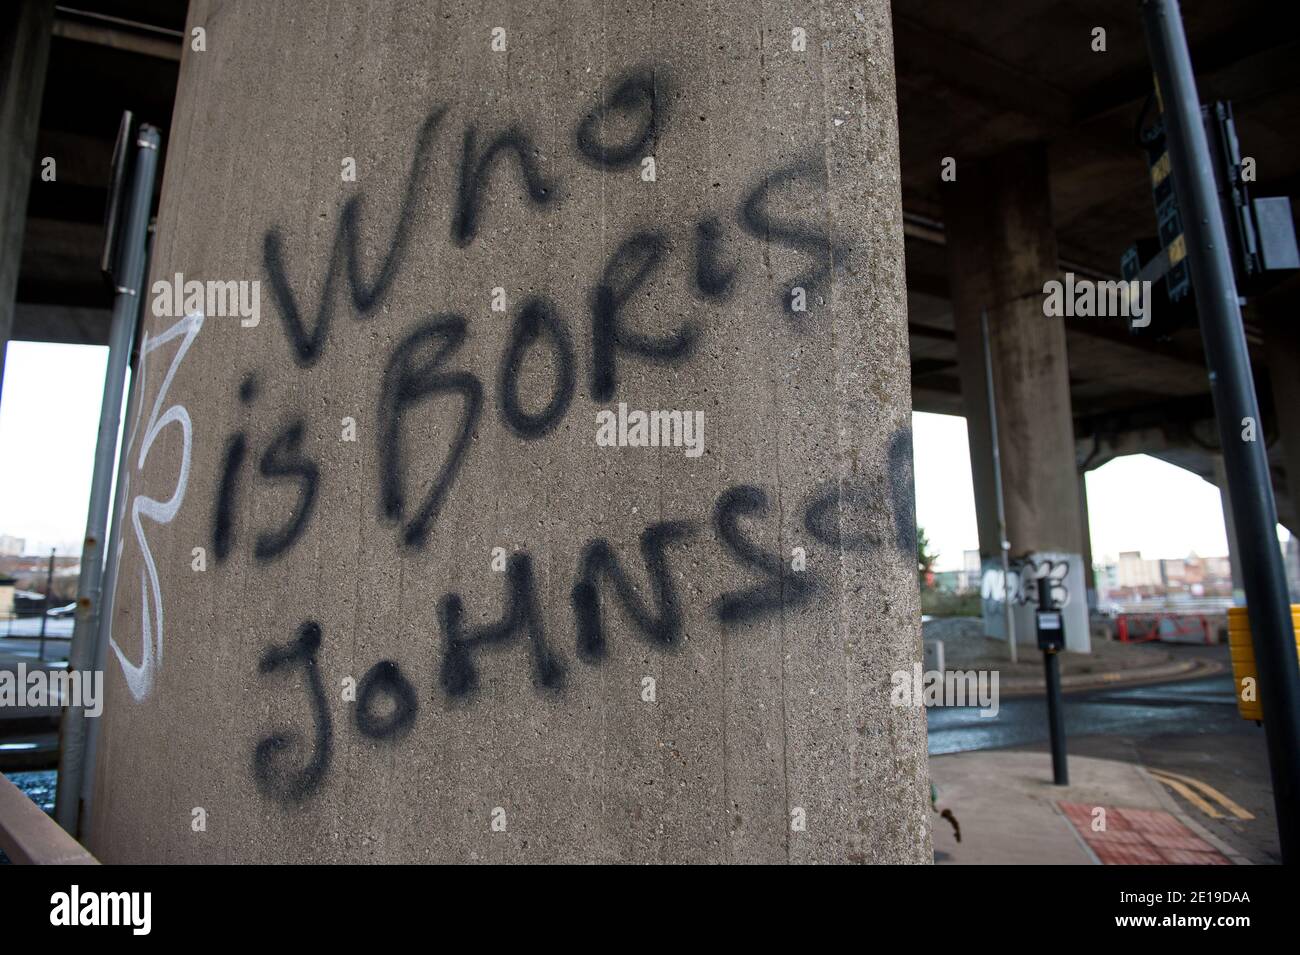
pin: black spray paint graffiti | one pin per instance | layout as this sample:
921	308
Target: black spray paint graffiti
600	574
413	375
522	616
422	373
288	785
385	678
640	100
308	342
637	100
786	589
475	175
536	318
662	626
812	241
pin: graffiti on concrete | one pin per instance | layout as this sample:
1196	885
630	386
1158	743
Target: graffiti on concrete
140	676
426	369
1023	580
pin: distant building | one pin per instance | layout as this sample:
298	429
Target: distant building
1136	578
12	546
1134	573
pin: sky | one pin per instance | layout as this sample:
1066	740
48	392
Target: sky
49	416
1135	502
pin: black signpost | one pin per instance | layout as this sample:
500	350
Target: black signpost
1051	640
1250	488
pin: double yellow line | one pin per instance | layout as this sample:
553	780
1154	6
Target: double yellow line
1192	789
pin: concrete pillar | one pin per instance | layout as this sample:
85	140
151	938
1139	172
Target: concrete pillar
1085	535
1282	346
1230	531
25	29
1002	249
435	615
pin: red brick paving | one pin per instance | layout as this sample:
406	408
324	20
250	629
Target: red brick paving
1141	837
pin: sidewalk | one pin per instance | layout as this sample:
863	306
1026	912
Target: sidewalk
1110	663
1010	813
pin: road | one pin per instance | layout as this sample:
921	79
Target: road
1189	727
20	639
1204	706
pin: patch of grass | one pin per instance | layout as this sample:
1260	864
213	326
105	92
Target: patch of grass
937	603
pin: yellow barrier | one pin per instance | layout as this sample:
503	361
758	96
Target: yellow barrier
1245	676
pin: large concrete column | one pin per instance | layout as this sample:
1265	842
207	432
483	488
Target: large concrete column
25	29
1282	345
1230	531
438	618
1002	249
1085	537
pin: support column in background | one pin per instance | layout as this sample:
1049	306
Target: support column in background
1001	251
1085	531
1230	529
1282	346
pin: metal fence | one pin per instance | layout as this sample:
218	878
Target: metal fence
24	631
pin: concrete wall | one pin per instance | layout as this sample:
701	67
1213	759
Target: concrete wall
682	658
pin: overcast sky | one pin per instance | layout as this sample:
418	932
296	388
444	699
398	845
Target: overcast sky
50	413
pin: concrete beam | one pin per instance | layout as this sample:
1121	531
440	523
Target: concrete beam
24	50
65	324
104	34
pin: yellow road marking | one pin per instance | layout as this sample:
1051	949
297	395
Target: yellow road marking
1189	794
1210	791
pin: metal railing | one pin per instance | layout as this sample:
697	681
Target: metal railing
29	837
36	628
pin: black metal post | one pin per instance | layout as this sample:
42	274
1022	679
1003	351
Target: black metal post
1055	705
1056	718
1236	408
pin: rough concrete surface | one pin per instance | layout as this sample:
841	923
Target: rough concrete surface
508	714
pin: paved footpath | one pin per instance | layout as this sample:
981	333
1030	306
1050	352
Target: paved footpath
1113	813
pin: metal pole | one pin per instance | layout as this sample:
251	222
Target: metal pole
1249	487
45	607
81	654
1056	718
1009	620
111	563
1055	705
